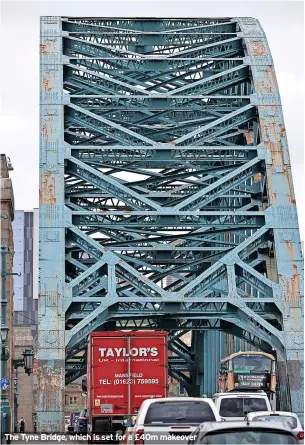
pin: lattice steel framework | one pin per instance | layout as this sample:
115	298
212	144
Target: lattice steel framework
166	197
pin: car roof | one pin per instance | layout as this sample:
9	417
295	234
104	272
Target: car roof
270	413
179	399
238	394
219	426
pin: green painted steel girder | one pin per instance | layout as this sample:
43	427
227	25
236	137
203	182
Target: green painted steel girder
166	198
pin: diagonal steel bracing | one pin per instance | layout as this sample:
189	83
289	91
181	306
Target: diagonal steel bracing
166	198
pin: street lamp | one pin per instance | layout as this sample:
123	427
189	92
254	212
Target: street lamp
28	358
4	334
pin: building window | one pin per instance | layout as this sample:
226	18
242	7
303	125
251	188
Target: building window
73	400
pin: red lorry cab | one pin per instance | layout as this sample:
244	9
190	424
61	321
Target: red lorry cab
124	369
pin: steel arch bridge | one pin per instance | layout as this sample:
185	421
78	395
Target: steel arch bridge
166	198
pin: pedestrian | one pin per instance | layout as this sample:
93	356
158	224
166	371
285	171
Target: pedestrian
22	425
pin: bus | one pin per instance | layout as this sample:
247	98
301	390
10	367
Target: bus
247	371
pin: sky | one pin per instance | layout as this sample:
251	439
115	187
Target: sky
283	23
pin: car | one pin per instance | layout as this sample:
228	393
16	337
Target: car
280	416
244	432
81	422
236	405
173	418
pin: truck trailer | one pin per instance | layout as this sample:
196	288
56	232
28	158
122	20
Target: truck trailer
123	370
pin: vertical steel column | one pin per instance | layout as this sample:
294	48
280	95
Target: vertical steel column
51	334
208	347
281	216
213	347
198	371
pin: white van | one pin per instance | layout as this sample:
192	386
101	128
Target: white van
236	405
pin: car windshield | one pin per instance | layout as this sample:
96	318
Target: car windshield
292	421
253	437
252	363
239	406
179	412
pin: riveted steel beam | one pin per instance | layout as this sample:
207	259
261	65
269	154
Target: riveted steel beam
166	198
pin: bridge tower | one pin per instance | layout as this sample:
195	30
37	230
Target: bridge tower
166	198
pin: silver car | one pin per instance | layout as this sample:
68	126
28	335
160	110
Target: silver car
244	432
281	416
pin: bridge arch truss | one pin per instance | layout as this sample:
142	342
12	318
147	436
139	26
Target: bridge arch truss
166	197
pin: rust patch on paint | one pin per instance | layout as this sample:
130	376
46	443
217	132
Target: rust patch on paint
46	81
43	49
292	287
282	130
47	191
289	247
48	47
258	49
47	128
45	85
291	191
295	286
267	84
44	130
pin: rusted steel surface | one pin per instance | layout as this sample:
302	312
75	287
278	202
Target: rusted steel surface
287	245
51	333
47	190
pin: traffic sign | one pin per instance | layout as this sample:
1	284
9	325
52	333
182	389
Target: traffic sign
5	383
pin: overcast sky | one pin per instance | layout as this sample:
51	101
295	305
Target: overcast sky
282	23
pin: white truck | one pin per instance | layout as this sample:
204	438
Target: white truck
170	420
236	405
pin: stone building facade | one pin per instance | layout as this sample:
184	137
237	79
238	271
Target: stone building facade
74	399
7	216
26	384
